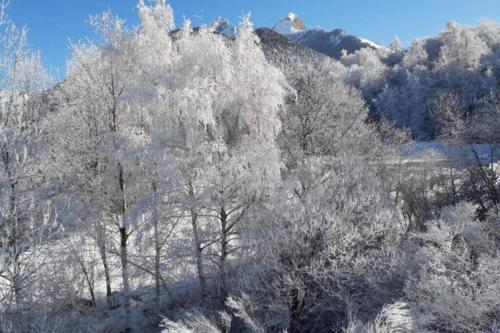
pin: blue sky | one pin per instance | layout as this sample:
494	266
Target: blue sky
53	23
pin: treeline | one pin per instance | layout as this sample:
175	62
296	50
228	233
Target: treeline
180	179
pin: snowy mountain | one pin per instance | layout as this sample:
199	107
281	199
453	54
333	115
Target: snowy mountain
330	43
290	25
224	27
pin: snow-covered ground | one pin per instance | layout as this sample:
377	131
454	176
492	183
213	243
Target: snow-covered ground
487	153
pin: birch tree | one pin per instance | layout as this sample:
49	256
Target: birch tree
221	105
24	212
97	114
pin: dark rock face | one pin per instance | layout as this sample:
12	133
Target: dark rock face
330	43
278	49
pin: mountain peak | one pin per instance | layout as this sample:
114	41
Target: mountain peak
291	24
223	26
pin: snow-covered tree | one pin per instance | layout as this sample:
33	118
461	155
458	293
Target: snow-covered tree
450	114
162	109
396	45
332	224
96	112
366	72
226	104
321	116
462	46
25	212
455	289
416	55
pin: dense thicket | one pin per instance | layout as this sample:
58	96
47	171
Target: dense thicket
183	181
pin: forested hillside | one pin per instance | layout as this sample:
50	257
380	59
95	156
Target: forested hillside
226	179
452	77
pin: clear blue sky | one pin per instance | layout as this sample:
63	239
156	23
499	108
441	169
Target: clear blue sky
53	22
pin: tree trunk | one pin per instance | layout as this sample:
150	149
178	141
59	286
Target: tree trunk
199	254
13	242
16	277
157	247
223	256
295	326
100	230
123	244
125	276
453	187
107	276
88	279
101	236
197	244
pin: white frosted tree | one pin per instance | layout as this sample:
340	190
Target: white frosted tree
416	55
366	72
224	101
95	131
450	114
462	46
322	115
164	121
396	45
24	212
331	225
455	286
158	201
247	124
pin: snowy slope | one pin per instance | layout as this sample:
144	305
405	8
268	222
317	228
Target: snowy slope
372	44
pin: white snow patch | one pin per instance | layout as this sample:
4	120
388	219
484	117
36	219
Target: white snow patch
335	39
372	44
